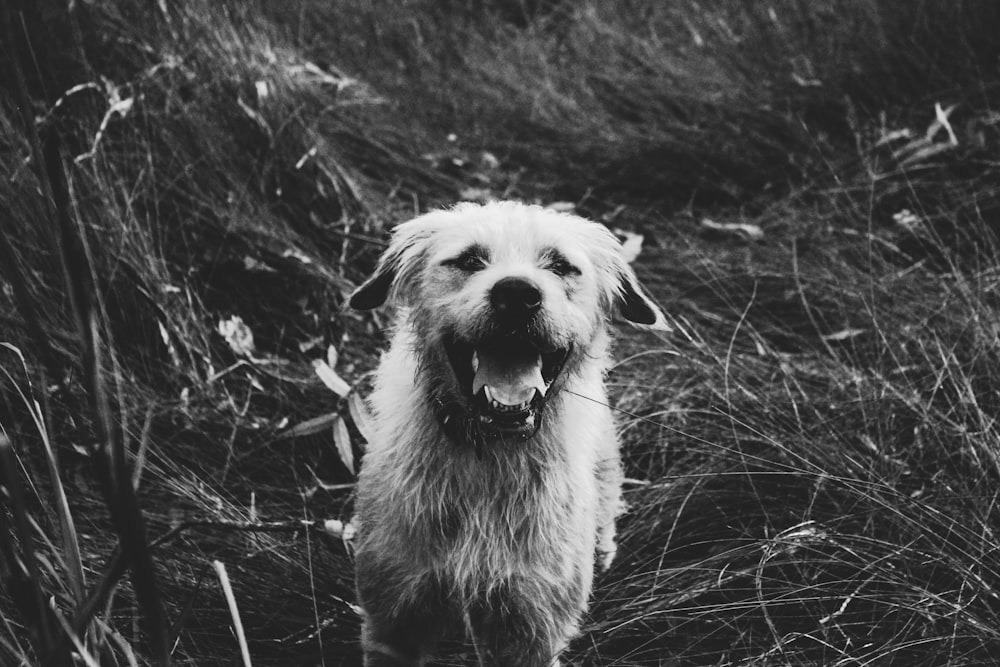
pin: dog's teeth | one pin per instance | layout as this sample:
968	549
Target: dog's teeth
500	406
475	361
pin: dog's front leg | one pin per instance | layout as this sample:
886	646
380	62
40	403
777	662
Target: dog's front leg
514	630
609	483
402	617
397	641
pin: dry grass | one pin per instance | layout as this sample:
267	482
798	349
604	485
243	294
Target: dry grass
812	455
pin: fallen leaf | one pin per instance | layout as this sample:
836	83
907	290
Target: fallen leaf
743	230
631	244
562	206
489	160
253	264
334	382
122	107
297	254
844	334
476	194
924	152
342	439
361	416
894	135
906	219
338	528
307	345
310	426
237	335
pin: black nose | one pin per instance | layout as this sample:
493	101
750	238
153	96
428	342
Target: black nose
515	297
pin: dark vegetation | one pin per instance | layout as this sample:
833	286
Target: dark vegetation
813	453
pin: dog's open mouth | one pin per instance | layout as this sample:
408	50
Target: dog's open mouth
507	382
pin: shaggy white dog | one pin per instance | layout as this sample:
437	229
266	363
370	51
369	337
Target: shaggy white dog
490	482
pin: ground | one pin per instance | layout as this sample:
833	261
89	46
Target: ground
192	189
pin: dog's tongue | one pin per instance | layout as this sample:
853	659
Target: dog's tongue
512	379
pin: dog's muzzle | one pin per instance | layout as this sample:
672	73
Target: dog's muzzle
506	382
507	375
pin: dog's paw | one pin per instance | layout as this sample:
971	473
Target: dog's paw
606	555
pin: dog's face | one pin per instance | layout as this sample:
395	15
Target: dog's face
504	298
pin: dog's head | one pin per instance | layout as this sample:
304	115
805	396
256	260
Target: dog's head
503	298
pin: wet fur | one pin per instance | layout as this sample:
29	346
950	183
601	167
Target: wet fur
494	538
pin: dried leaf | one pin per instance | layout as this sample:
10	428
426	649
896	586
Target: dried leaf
334	382
941	122
311	426
562	206
476	194
844	334
743	230
297	254
925	147
122	107
631	244
361	416
237	335
489	160
253	264
893	136
339	529
342	439
908	220
923	153
309	344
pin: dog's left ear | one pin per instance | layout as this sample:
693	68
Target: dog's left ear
637	307
373	292
395	274
623	292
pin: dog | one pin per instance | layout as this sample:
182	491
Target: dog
493	478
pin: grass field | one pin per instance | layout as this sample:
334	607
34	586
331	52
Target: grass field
813	454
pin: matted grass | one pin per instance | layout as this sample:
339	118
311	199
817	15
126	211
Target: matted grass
811	455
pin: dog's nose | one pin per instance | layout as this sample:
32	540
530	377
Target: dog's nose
516	297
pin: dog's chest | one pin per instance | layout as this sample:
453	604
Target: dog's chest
495	525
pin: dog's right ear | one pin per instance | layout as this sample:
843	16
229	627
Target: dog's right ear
395	273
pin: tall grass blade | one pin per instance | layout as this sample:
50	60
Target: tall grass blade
234	611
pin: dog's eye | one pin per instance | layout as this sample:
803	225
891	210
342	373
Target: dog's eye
470	261
559	265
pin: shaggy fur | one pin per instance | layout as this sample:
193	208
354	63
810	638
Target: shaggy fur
479	515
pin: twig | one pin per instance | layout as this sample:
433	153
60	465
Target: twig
332	527
234	611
